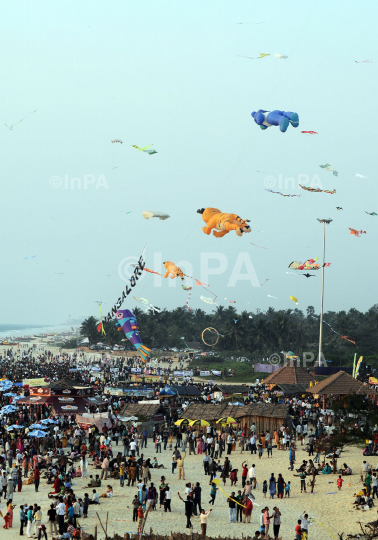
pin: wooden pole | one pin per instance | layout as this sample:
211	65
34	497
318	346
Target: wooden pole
95	534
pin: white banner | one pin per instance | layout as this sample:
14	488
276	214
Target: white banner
204	373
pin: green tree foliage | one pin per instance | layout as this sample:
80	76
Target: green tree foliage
255	334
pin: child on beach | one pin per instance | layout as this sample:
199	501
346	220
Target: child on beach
260	448
140	519
265	488
287	490
340	482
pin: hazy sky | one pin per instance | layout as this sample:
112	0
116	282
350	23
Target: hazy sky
168	73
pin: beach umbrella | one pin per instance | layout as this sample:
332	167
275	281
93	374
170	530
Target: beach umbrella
16	398
37	426
37	433
199	422
236	403
183	422
8	409
226	420
49	421
14	426
10	394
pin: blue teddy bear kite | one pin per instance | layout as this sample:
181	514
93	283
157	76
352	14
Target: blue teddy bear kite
266	119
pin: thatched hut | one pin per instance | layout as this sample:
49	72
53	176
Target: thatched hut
265	416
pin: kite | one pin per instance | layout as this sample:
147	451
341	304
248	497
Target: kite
147	214
338	208
133	281
128	323
100	327
269	296
232	302
342	337
282	56
148	306
310	132
12	126
126	212
174	270
308	275
116	141
261	284
187	346
317	190
294	300
266	119
151	271
327	167
212	331
208	300
371	213
145	149
279	193
261	247
30	257
362	61
217	482
361	176
254	58
199	283
223	223
186	287
310	264
356	233
187	302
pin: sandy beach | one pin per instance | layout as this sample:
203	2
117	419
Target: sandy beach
333	510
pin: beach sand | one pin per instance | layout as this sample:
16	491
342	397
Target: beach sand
333	510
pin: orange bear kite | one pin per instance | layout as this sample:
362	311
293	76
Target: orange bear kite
223	223
174	270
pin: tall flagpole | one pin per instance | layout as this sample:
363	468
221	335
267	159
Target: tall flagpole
325	222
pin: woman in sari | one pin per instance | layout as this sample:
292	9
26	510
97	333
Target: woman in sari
200	445
19	480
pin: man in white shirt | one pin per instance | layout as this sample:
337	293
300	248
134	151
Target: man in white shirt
132	448
251	473
60	511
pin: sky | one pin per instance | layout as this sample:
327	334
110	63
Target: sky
169	74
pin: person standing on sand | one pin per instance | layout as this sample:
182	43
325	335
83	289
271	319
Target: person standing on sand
203	517
180	466
188	510
276	522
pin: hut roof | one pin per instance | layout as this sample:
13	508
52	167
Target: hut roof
341	383
213	412
293	388
139	409
290	374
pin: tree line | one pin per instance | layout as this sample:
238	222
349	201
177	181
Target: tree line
252	334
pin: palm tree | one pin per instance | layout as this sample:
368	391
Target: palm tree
89	329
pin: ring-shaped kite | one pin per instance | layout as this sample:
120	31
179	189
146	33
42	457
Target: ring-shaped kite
210	329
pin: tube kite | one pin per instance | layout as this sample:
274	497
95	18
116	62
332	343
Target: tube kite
310	132
317	190
281	56
327	167
294	300
100	326
145	149
371	213
361	176
283	119
279	193
310	264
147	214
223	223
116	141
217	482
308	275
342	337
127	322
356	233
